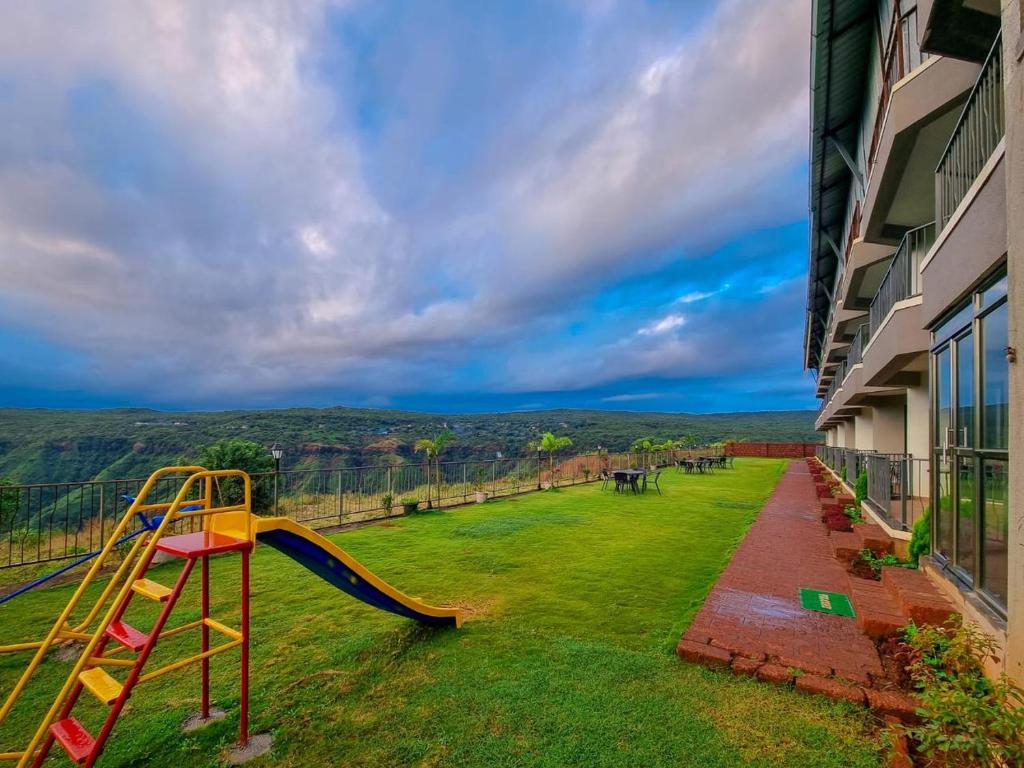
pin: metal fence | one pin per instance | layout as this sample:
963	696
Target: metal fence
903	278
980	128
898	488
60	521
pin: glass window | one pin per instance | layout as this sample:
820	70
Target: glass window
995	377
965	514
994	292
943	415
996	527
965	392
944	519
954	323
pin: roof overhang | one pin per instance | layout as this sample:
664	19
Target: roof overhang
840	52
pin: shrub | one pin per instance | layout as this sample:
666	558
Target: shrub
877	563
9	502
860	488
233	453
921	537
966	719
387	501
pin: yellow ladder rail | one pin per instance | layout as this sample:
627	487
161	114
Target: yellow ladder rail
59	631
139	567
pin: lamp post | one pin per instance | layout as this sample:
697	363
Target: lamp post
539	449
277	452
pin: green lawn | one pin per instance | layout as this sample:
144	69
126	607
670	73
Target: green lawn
576	599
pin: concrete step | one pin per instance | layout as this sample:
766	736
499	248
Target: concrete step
878	614
917	597
874	538
845	546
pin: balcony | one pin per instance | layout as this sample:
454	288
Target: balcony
920	115
962	29
865	267
897	333
977	133
902	280
971	197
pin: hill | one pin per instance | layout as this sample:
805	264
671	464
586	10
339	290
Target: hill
67	445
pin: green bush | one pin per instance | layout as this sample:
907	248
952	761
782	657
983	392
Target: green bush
860	488
921	537
9	502
966	719
233	453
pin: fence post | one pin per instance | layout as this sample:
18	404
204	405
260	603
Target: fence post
341	498
904	487
102	537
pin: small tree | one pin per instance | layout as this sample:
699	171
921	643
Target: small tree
250	457
8	503
551	443
431	450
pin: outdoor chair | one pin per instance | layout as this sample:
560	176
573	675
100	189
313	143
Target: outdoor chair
605	477
654	482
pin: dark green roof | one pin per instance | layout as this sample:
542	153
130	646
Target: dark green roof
840	50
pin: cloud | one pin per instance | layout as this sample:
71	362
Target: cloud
664	325
629	398
690	298
200	200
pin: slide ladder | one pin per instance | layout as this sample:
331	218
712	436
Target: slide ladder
113	659
111	644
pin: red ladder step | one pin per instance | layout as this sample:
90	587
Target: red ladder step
127	636
73	737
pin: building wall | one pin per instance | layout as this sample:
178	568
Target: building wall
864	430
888	427
1013	49
918	419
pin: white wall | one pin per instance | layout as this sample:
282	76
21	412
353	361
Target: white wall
864	430
887	421
918	417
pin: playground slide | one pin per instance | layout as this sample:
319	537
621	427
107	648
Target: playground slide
335	566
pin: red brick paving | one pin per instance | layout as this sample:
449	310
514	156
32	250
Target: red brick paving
755	609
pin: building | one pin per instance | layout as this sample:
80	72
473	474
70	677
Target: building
915	301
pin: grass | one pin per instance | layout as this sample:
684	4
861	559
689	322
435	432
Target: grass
576	598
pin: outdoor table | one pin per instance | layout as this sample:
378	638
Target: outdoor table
632	476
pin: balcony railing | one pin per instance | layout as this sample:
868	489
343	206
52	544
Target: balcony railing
897	488
897	482
903	279
857	347
980	128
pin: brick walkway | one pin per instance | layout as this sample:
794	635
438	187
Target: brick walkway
754	610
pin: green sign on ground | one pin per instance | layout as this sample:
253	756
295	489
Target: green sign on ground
826	602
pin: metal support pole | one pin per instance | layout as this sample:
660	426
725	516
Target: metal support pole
205	633
243	720
277	472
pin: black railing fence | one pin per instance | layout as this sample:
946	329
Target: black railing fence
979	130
47	522
898	484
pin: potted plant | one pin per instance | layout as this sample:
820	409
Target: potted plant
410	504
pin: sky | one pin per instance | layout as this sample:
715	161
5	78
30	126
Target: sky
449	206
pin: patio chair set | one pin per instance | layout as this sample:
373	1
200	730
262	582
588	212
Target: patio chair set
630	480
704	464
